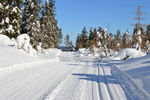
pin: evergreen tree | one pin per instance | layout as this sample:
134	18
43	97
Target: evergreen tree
78	42
110	41
95	37
84	38
91	37
138	33
68	42
118	41
15	18
51	32
99	37
5	26
30	21
148	32
59	36
125	40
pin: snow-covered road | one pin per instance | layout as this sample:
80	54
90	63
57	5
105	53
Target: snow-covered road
70	78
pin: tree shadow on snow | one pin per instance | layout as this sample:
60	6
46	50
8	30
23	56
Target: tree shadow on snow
139	72
97	78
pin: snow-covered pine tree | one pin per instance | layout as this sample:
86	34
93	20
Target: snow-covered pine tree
2	17
51	32
30	21
110	41
15	18
118	41
126	40
68	42
95	36
78	40
91	38
99	36
59	36
5	26
148	32
84	38
136	35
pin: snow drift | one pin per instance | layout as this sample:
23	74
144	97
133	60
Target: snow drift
127	54
5	40
23	42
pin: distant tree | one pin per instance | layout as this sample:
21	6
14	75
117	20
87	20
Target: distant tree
95	37
91	38
117	41
84	38
125	39
59	36
78	42
110	41
68	42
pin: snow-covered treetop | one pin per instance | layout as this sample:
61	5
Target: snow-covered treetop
105	30
99	35
1	6
126	32
138	32
15	9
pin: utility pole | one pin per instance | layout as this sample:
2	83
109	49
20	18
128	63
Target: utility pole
139	17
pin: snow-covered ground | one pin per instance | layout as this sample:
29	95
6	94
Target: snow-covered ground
137	69
56	75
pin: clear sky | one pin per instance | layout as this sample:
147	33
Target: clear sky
73	15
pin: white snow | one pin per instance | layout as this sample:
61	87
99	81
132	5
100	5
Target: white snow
10	29
4	40
1	6
127	54
14	9
2	22
24	43
7	20
57	75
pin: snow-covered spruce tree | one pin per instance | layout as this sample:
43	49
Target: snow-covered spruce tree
5	26
90	39
59	36
51	32
99	37
138	33
78	42
15	16
117	41
68	42
148	30
95	36
84	38
2	17
126	40
110	41
30	21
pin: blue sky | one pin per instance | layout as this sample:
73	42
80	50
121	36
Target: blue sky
73	15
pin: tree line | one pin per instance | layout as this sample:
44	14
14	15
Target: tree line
100	38
32	17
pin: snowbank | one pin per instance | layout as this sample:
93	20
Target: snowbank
23	42
5	40
52	53
83	52
127	54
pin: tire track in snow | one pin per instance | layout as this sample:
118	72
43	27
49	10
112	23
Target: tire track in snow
109	88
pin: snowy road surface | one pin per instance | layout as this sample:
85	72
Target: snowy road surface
70	78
